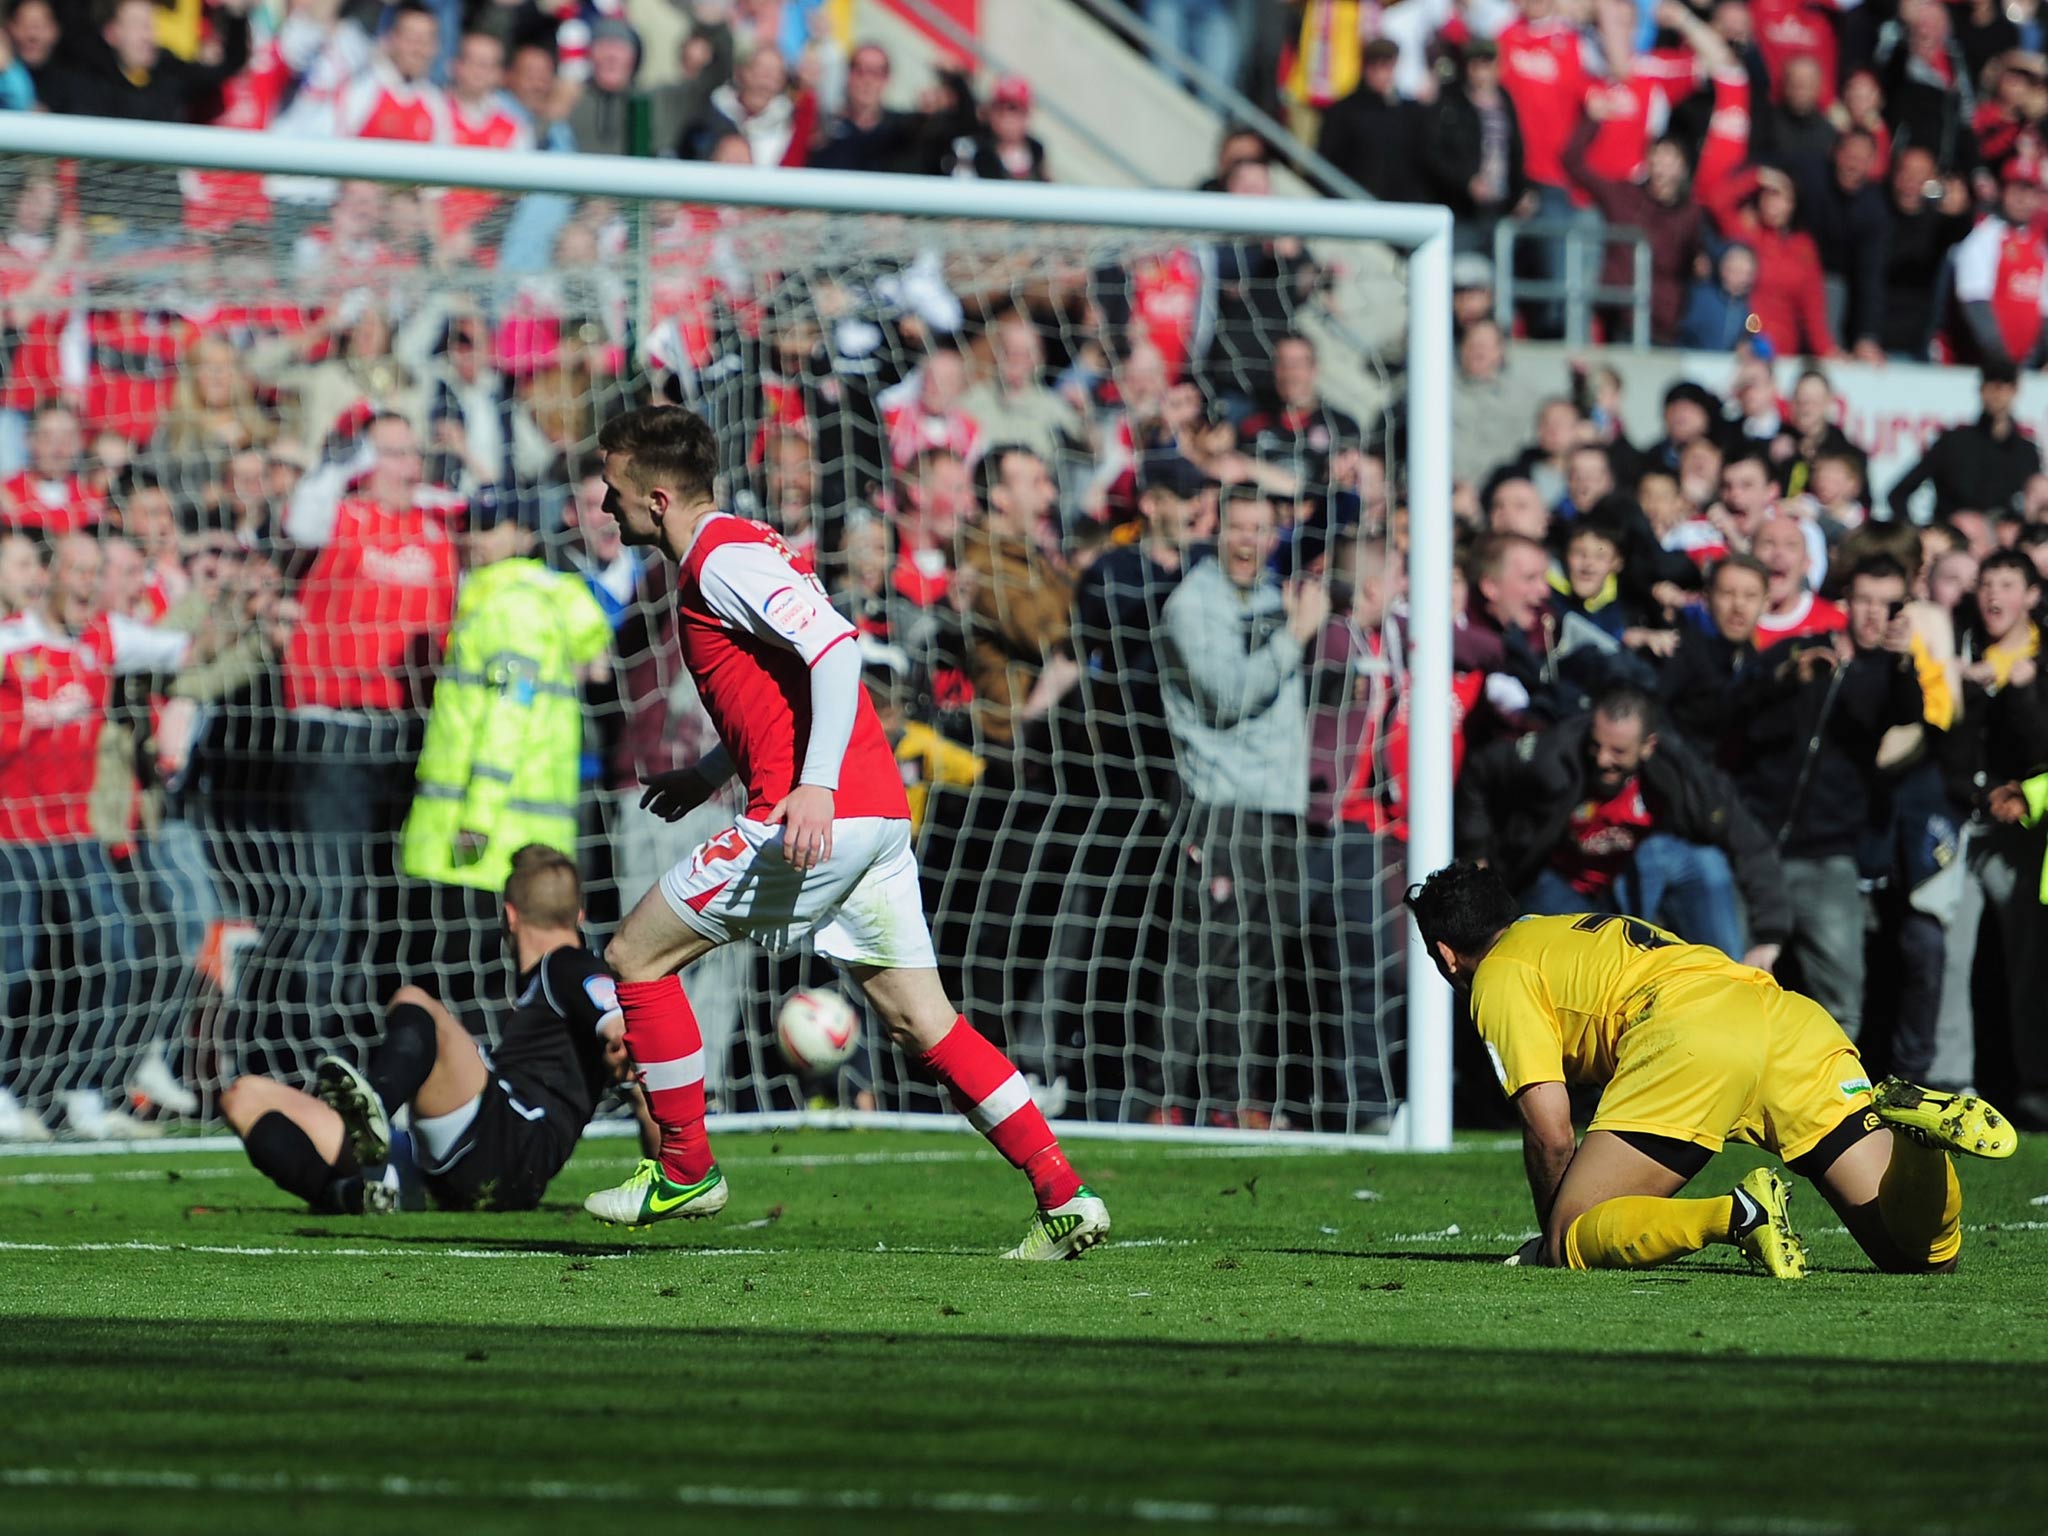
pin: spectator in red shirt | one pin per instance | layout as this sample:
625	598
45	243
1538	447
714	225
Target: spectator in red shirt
479	117
1790	607
376	605
1756	207
1543	71
51	496
57	663
1357	812
938	497
2001	275
930	417
398	99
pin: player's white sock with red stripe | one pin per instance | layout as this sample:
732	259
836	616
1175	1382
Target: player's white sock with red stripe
992	1094
663	1039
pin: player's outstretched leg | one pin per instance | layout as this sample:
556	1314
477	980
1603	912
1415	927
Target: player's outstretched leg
1071	1217
667	1048
1953	1122
296	1142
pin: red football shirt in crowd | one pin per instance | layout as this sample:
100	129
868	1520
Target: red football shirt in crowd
51	507
1809	616
53	704
1544	73
383	581
1600	839
2004	267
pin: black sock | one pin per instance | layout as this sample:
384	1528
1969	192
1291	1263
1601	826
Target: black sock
400	1062
285	1154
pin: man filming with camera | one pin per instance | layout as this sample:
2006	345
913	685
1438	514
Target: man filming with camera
1817	709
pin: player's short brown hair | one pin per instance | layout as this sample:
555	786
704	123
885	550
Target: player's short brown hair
545	887
666	445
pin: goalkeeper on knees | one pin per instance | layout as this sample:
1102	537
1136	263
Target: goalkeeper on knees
1690	1050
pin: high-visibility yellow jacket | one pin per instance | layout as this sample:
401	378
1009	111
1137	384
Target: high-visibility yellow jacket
505	734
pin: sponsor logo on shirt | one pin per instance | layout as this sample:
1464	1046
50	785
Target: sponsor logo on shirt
71	702
411	566
790	612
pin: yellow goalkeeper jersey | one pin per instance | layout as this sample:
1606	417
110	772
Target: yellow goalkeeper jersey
1554	996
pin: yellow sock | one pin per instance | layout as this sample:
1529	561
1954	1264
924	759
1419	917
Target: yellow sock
1640	1231
1921	1202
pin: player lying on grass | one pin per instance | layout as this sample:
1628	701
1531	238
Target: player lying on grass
822	850
1690	1050
489	1130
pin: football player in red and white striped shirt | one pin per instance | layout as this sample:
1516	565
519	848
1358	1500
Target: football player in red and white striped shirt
823	849
396	99
478	118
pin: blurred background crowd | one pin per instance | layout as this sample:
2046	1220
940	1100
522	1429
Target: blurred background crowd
311	610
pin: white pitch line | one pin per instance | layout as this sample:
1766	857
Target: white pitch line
254	1252
125	1176
1195	1513
1188	1512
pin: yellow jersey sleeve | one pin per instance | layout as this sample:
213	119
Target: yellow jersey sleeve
1512	1008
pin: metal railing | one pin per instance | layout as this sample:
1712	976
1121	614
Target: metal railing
1226	100
1578	287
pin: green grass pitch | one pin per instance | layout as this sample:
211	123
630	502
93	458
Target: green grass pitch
1321	1340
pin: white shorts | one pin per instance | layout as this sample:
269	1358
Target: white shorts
862	906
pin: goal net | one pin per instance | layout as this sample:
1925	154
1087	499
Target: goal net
258	419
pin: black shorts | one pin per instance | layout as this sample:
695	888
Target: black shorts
1686	1158
517	1143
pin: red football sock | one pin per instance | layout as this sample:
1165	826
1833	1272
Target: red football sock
991	1093
663	1039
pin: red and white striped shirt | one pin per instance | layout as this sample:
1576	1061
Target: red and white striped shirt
1809	616
380	105
490	128
53	703
50	507
753	623
2005	267
1543	70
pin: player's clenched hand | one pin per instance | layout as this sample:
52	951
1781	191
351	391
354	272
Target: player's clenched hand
805	816
673	795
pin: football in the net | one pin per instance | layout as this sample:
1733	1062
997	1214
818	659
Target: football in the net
817	1030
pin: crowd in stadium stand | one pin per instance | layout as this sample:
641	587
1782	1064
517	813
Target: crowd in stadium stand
1126	556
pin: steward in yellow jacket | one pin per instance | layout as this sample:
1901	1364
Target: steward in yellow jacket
500	768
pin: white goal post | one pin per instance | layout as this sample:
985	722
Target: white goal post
1423	234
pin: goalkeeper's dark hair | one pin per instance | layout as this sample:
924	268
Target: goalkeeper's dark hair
1464	905
668	445
544	886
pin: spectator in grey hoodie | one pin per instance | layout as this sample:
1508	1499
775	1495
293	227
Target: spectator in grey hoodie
1237	708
